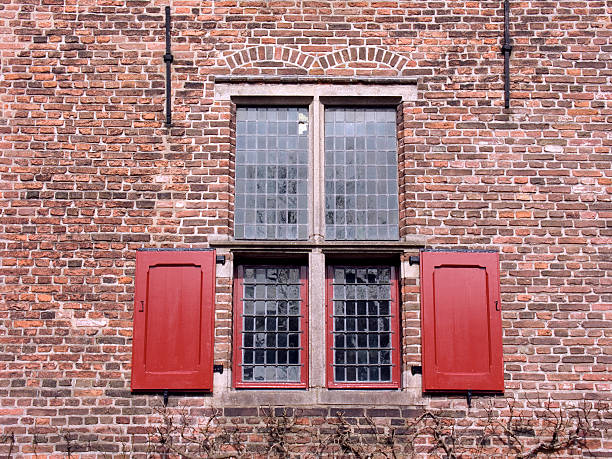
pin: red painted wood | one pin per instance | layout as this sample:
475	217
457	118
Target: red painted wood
174	321
395	336
237	335
461	322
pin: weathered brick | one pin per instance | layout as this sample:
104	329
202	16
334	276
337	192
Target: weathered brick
90	173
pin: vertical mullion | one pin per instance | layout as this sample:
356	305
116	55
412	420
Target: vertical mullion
317	168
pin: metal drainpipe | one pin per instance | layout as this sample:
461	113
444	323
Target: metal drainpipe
506	49
168	58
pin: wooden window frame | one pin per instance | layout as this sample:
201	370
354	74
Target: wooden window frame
396	352
237	331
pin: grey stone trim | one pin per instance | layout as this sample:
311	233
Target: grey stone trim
313	79
411	243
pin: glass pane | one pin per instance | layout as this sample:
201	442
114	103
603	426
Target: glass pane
361	186
271	173
266	347
362	328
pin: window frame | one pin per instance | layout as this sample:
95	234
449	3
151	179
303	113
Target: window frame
318	93
318	98
238	308
395	312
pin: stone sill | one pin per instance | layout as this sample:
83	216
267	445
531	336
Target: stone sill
318	397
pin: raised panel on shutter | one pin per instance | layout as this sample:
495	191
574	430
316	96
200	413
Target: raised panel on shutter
461	322
173	320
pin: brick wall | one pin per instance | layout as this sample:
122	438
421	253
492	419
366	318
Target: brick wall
89	173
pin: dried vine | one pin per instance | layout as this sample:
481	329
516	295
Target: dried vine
524	430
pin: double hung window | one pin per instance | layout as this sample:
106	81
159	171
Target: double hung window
314	176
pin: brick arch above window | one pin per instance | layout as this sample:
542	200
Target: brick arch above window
270	56
363	55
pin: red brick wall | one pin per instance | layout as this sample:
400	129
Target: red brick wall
89	174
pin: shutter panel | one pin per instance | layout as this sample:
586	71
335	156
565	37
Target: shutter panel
173	320
461	322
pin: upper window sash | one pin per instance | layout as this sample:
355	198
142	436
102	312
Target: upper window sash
323	172
361	184
272	163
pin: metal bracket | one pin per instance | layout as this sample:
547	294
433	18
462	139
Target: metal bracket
218	369
414	260
416	370
220	259
165	398
469	398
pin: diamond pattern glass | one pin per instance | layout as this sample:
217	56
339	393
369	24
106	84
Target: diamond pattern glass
271	173
361	187
271	325
362	331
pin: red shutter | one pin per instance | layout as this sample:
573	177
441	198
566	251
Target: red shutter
461	322
173	320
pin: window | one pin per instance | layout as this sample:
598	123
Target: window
362	327
359	164
316	176
271	173
270	327
361	196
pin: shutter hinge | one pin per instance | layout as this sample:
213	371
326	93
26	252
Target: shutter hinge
220	259
416	370
218	369
469	398
166	398
414	260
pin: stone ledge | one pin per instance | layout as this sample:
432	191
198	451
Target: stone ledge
319	397
411	244
312	79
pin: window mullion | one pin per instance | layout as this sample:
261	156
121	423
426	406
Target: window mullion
317	169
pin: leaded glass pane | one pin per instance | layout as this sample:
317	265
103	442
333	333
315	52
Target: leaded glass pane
361	324
272	329
361	187
271	173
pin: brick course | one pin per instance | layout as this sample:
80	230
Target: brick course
89	173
